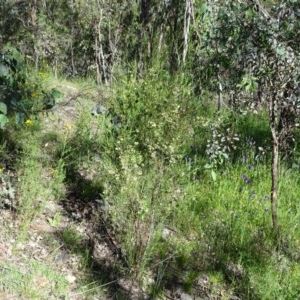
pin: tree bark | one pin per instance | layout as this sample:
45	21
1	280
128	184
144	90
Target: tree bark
273	111
188	17
220	94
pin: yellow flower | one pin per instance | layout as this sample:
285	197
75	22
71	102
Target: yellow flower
29	122
1	170
68	126
34	95
42	75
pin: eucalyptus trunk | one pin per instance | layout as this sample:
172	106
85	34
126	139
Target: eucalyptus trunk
273	113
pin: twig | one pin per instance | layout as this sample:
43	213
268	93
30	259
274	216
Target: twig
94	288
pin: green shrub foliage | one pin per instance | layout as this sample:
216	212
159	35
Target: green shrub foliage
22	94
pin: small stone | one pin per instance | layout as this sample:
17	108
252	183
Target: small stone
185	296
167	233
70	278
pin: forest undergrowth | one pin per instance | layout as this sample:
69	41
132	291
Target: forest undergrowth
155	196
149	149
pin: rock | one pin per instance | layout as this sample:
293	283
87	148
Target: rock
185	296
167	233
70	278
99	109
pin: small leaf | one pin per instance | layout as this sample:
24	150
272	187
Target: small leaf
254	85
3	108
3	70
213	175
280	51
225	155
3	121
56	93
208	166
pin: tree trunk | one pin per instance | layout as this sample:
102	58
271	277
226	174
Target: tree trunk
188	17
273	113
275	156
220	94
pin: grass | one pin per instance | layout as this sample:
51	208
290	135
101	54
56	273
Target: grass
171	221
34	281
38	181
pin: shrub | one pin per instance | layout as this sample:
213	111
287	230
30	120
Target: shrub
22	94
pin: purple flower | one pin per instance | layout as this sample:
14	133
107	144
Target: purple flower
250	167
246	179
